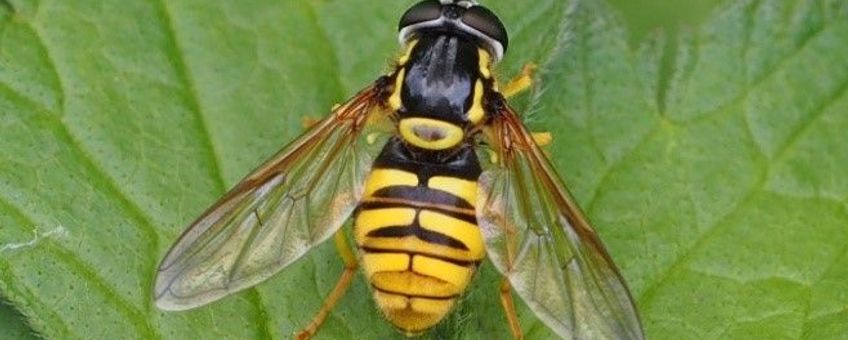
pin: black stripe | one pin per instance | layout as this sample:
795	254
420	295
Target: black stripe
460	263
425	235
423	194
386	291
426	171
405	203
459	164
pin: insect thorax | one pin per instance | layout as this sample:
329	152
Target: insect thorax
439	89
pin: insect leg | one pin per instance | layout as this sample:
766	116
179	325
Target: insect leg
509	309
338	292
522	82
308	122
542	138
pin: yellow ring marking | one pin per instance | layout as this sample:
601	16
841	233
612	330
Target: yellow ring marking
453	134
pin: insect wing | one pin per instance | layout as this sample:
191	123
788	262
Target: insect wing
539	240
296	200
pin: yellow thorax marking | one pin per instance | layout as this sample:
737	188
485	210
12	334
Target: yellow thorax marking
475	113
430	134
394	100
485	63
405	57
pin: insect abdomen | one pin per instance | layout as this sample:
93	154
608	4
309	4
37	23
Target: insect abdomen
419	241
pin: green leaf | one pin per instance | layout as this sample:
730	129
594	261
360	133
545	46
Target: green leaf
712	162
13	324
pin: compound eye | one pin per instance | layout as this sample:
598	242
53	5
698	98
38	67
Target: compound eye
485	21
421	12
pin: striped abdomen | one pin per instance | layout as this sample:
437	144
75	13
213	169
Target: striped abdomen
418	237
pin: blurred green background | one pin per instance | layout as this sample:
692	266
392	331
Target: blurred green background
644	16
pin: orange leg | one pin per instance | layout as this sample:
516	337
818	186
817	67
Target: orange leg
338	292
309	122
522	82
542	138
509	310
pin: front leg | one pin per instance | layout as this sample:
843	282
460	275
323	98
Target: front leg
520	83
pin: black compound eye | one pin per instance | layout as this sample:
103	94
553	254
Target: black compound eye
485	21
421	12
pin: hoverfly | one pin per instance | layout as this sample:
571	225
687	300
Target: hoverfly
438	172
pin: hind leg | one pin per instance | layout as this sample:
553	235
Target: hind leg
350	265
509	310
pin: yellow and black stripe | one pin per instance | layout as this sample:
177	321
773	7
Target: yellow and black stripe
418	236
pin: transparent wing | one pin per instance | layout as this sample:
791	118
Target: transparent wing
296	200
537	237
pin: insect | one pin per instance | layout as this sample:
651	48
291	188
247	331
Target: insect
438	173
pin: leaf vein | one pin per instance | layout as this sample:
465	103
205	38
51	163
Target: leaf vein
620	163
649	295
83	269
310	8
811	118
182	68
779	65
191	96
843	253
99	174
8	284
7	5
